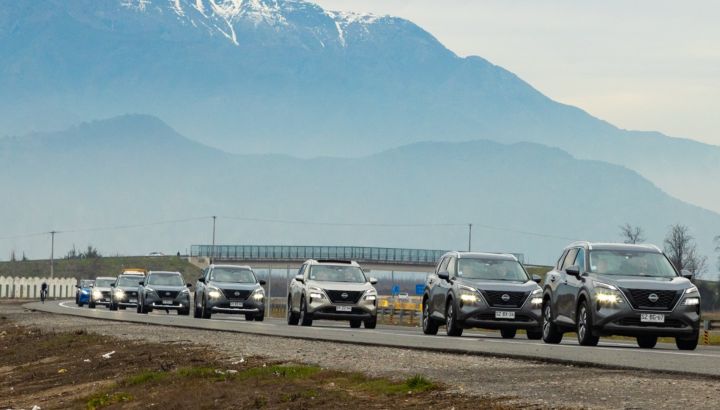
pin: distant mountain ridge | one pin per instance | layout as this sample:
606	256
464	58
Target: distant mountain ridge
288	77
522	197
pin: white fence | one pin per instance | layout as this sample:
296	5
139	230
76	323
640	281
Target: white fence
29	288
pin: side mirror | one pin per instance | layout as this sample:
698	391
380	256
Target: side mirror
373	281
687	274
536	278
262	282
188	285
141	283
300	278
77	286
112	285
444	275
573	270
201	280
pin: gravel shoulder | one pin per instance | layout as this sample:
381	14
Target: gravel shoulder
525	383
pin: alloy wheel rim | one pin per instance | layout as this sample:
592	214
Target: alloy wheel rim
581	327
450	317
546	322
425	316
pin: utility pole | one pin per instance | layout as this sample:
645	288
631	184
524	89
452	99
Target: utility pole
469	237
212	249
52	253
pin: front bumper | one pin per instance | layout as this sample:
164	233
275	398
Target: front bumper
240	307
484	316
325	309
623	320
180	302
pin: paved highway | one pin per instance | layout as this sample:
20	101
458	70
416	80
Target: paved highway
610	353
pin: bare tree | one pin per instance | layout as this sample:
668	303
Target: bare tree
632	234
681	248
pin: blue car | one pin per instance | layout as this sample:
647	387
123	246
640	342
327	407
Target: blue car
84	291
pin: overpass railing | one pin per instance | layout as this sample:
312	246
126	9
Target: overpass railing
302	253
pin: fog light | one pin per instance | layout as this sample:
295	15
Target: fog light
691	302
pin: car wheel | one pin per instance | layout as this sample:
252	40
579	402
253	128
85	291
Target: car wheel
113	307
534	334
687	343
452	327
206	313
430	326
508	333
371	323
184	312
260	317
647	342
355	324
305	317
249	317
91	305
292	317
122	307
584	326
197	311
550	332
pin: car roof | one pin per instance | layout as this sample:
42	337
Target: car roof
230	266
482	255
106	277
616	246
335	262
163	271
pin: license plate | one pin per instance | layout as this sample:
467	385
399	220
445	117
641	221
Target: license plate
504	315
343	308
167	302
652	318
236	304
133	301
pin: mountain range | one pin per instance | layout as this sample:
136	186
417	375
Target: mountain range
521	197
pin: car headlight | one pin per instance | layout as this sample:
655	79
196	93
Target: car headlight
607	294
258	294
316	293
97	294
119	293
691	302
371	295
693	289
469	295
149	290
536	297
214	293
184	291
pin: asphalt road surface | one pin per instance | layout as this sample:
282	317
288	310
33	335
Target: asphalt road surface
609	353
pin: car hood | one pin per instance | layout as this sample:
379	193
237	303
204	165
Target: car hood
167	288
102	289
234	285
127	288
500	285
649	283
341	285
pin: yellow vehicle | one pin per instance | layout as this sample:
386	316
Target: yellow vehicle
134	271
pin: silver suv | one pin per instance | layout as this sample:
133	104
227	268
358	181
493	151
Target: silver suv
487	290
334	290
101	291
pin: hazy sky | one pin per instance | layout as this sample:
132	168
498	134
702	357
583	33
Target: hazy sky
640	64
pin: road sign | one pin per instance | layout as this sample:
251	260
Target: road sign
395	289
419	288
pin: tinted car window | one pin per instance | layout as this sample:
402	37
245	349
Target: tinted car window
451	266
491	269
444	264
570	258
580	259
630	263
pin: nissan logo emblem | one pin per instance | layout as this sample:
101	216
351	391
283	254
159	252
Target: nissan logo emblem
344	295
237	293
653	297
167	293
505	297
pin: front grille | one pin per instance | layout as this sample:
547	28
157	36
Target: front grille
491	316
635	321
131	294
336	296
106	293
231	294
639	298
165	294
495	298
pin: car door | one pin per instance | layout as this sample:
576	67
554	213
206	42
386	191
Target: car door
200	287
296	288
443	286
574	284
565	308
432	281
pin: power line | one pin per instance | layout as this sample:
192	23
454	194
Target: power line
318	223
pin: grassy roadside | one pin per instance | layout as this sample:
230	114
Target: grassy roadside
88	371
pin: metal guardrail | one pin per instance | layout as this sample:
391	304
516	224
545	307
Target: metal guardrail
389	311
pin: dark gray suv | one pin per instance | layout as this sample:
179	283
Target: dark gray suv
486	290
599	289
230	289
164	290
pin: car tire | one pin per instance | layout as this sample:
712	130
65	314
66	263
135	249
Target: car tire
371	323
197	311
550	332
260	317
91	305
305	317
80	304
508	333
122	307
184	312
355	323
647	342
534	334
452	326
584	326
206	313
429	325
292	318
113	307
687	343
249	317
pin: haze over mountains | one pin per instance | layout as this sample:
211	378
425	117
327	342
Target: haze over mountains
287	77
132	168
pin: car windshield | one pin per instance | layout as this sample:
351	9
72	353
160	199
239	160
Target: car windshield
491	269
630	263
336	273
165	279
233	275
104	283
86	283
124	281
